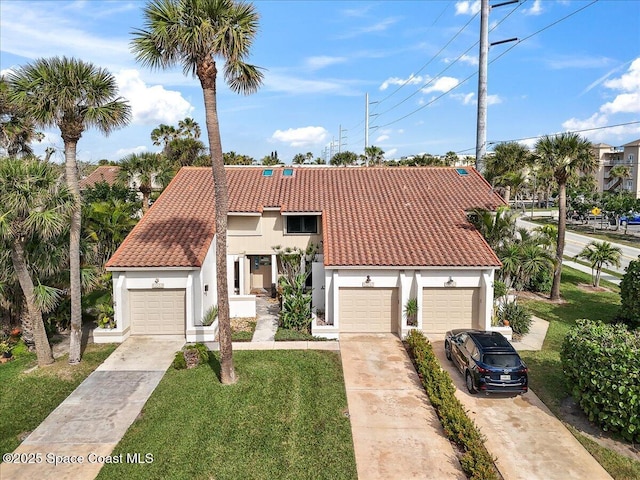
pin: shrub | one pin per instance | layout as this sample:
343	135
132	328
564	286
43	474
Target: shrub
411	312
602	365
179	363
630	295
191	356
210	316
541	282
499	289
476	461
518	316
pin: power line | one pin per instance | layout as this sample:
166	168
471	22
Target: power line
493	60
494	142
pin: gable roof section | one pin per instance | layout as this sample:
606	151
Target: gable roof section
104	173
372	216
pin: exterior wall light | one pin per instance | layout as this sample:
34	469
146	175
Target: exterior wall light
450	283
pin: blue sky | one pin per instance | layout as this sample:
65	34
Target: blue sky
322	57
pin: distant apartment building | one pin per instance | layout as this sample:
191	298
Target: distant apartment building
608	158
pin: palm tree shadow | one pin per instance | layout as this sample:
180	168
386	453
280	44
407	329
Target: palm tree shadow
214	364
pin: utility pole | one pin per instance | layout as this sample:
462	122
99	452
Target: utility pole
483	62
481	130
366	126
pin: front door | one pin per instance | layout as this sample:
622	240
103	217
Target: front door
261	272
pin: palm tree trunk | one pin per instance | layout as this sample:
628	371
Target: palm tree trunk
206	72
43	349
71	175
507	194
562	227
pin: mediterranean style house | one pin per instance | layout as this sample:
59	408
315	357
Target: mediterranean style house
609	157
384	235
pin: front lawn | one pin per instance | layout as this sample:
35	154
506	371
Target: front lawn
285	419
26	399
546	377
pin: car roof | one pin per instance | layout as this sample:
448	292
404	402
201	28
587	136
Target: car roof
492	341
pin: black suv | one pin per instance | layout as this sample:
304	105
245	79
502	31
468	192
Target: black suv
487	360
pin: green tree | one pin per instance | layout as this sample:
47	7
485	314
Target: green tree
566	155
619	173
143	171
163	135
189	128
450	159
184	152
105	225
495	227
34	207
600	254
505	167
193	34
344	158
72	95
299	159
232	158
17	130
374	155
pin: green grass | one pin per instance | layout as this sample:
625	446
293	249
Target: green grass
616	236
26	399
243	335
286	335
546	377
283	419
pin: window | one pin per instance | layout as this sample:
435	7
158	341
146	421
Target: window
302	224
267	173
287	172
462	172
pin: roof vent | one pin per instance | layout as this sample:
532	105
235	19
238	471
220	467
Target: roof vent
267	172
462	171
287	172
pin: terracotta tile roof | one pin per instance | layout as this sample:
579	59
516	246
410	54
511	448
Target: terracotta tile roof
375	216
104	173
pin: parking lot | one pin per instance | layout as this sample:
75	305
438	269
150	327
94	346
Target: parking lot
528	441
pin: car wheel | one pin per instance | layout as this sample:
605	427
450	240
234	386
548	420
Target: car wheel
447	350
469	381
623	223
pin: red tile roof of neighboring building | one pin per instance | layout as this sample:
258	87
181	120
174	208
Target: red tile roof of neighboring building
104	173
372	216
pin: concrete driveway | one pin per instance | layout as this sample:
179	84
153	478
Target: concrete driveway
527	439
396	433
77	438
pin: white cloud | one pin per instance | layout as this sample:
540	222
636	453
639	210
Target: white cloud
123	152
442	84
301	137
536	8
151	104
391	153
381	26
382	138
279	82
316	63
412	80
468	59
469	98
627	100
467	7
493	99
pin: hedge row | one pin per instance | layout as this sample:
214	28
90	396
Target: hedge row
476	461
602	365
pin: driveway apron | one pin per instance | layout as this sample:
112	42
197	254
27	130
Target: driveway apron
90	422
529	442
396	432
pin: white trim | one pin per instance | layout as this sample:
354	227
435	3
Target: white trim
414	267
271	209
244	214
153	269
300	213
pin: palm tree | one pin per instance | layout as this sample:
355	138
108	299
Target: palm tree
72	95
17	131
619	173
505	166
496	227
163	135
34	207
193	34
374	155
144	170
600	254
566	155
189	128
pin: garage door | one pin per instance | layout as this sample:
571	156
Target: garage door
157	312
368	310
448	308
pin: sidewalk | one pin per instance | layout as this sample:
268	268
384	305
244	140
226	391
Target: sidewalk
76	439
583	268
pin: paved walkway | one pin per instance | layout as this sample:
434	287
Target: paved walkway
396	433
266	320
91	421
584	268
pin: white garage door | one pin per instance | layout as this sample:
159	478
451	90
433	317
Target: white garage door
448	308
157	312
368	310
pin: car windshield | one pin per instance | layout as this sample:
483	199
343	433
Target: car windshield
502	360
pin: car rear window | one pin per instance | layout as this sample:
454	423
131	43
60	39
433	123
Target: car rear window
503	360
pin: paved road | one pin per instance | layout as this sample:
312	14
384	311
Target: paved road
574	243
